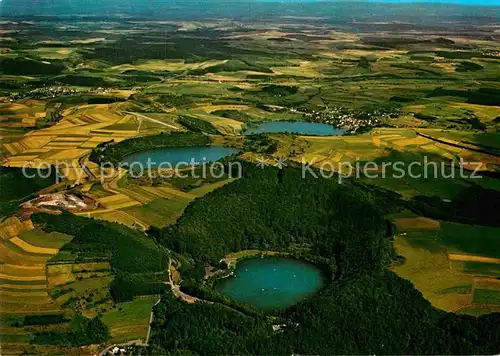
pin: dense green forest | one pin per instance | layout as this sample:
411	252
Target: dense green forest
258	212
17	187
376	313
364	309
114	153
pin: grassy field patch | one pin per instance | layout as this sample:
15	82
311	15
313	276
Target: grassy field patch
416	223
130	320
38	237
466	289
473	240
487	296
160	211
429	270
477	268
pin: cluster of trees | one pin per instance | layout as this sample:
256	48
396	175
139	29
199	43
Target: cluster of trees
126	286
481	96
28	66
470	123
261	144
177	100
197	125
233	114
459	54
232	65
472	205
417	68
392	41
116	152
200	177
52	115
280	90
364	309
130	250
45	319
80	80
84	331
104	100
468	67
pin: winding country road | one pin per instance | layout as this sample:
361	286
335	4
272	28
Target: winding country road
176	289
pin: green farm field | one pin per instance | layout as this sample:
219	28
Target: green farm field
436	261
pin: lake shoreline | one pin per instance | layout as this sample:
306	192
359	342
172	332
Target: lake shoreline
231	260
299	127
273	281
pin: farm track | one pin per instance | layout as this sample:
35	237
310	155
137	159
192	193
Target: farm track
151	119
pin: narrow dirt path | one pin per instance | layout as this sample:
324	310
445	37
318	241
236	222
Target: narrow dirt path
151	119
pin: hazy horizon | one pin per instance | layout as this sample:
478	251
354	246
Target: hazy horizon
76	7
410	10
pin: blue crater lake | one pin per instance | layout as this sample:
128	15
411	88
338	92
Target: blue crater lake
272	282
300	127
179	155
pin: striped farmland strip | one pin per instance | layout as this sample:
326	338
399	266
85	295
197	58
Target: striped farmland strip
31	248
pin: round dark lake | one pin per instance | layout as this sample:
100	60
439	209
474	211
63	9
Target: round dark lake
300	127
180	155
272	282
